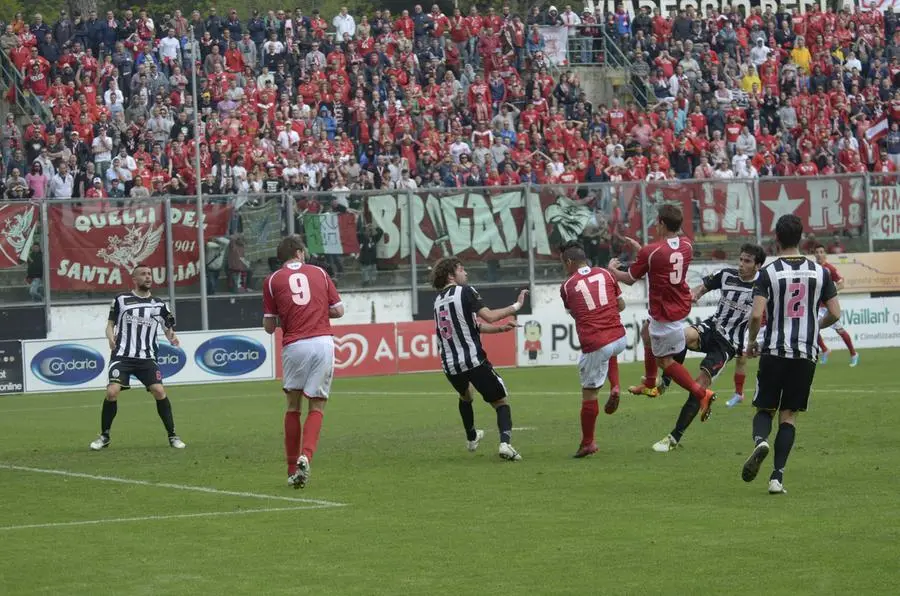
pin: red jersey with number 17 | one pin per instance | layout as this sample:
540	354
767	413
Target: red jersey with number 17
300	296
665	263
591	296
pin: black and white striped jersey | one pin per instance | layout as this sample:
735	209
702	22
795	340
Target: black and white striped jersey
459	340
137	322
793	287
733	312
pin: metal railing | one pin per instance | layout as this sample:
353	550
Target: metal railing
615	57
27	102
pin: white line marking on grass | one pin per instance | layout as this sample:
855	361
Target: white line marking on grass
521	428
198	489
118	520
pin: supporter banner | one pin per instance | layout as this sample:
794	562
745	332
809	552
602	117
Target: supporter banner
871	323
879	5
824	204
11	380
18	222
92	250
868	271
556	44
202	357
262	226
331	233
634	6
884	211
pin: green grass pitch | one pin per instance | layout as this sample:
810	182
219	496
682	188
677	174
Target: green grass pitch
421	515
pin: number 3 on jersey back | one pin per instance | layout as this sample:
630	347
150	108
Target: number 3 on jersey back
677	261
299	285
598	280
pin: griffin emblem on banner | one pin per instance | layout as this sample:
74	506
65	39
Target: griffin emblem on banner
17	234
134	247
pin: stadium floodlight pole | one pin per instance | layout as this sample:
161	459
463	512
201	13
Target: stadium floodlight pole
529	240
756	215
201	221
413	275
170	255
867	188
45	256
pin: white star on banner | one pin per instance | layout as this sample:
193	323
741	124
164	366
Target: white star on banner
783	206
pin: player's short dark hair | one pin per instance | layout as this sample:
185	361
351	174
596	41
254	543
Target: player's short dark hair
573	251
442	270
670	216
789	231
139	266
288	247
817	246
756	251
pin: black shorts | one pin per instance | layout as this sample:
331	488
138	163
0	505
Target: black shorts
718	350
783	383
144	370
483	378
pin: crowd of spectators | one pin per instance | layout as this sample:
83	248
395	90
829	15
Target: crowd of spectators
423	99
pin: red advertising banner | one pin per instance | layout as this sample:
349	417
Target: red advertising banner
824	204
96	250
18	222
364	350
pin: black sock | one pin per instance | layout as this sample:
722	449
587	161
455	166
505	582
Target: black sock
107	414
468	418
688	412
762	426
164	409
784	440
680	356
504	423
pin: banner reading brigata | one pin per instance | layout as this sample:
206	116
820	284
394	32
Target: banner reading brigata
17	225
91	250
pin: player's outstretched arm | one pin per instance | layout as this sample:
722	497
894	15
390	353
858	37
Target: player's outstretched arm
508	326
623	277
492	315
698	291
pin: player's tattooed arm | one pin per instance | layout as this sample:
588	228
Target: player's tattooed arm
698	291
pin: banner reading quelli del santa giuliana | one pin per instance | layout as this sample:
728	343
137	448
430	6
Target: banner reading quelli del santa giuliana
91	250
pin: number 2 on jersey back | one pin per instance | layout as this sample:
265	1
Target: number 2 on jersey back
796	305
582	288
677	261
299	285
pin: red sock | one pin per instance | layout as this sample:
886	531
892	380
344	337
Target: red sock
589	411
822	345
650	367
847	341
739	382
679	374
311	428
292	440
614	373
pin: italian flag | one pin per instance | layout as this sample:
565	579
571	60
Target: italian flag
331	233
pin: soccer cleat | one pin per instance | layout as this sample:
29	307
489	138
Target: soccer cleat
301	477
612	404
823	356
662	387
706	404
586	450
175	442
293	481
776	487
665	445
751	466
735	400
644	390
854	360
473	445
508	453
101	442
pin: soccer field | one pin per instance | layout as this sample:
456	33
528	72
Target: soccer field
397	505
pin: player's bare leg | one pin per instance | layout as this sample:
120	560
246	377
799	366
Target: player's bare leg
292	434
164	409
590	409
689	411
612	404
473	435
107	415
504	425
648	385
740	375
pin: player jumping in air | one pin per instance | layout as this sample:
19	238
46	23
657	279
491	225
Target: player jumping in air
822	259
593	298
134	321
301	298
457	308
665	263
721	336
788	291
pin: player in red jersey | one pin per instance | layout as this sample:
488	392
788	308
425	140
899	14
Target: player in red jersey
302	299
665	263
822	259
593	298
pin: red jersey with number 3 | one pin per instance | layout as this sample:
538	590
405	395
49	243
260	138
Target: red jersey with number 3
591	296
300	296
665	263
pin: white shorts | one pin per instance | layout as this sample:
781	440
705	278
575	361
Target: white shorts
666	339
593	367
309	366
837	324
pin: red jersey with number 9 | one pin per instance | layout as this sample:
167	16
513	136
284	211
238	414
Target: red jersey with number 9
591	296
665	263
300	296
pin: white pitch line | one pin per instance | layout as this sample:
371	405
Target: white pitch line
119	520
199	489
